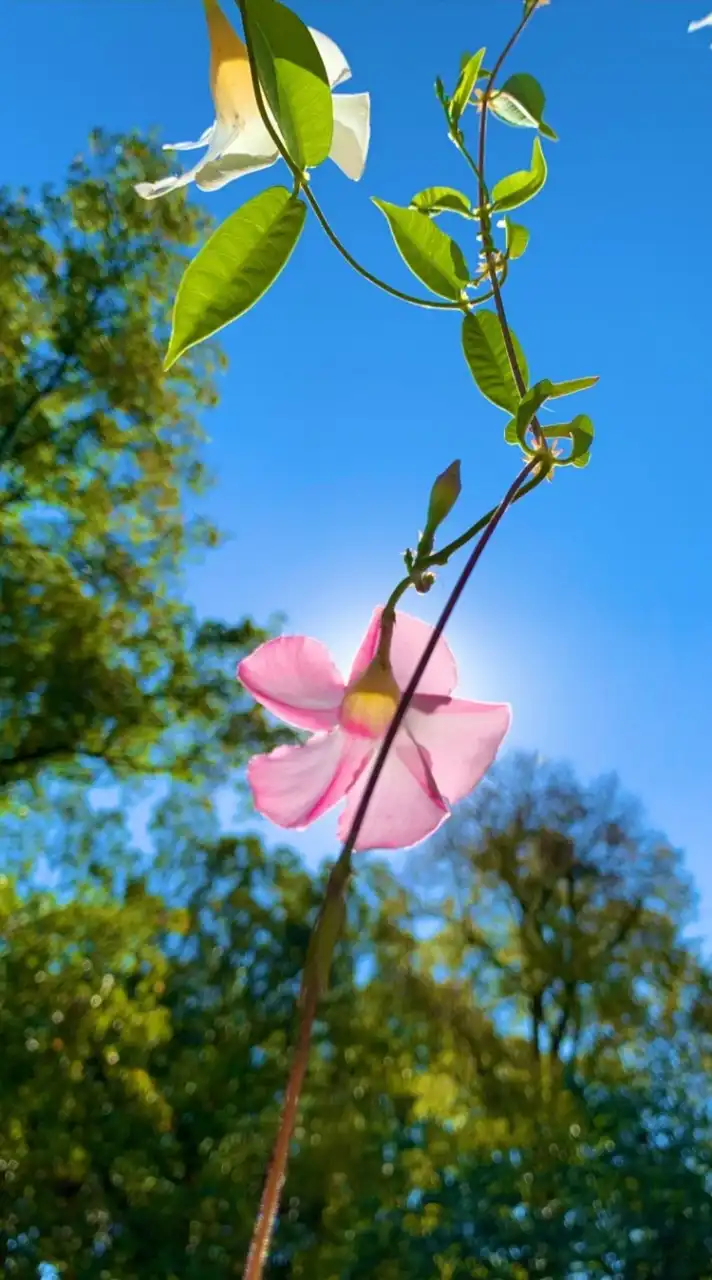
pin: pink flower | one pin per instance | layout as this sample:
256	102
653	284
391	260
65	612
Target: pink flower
440	753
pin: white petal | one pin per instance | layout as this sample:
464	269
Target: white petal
221	135
249	149
696	26
335	64
352	132
152	190
217	174
203	141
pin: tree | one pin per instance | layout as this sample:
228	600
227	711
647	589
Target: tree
103	665
147	1014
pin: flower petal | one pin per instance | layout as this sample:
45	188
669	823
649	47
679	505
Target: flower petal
460	739
152	190
405	807
701	22
294	677
248	150
220	136
410	636
293	786
336	67
203	141
352	132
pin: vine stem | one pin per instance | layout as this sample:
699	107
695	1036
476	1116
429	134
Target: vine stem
340	873
276	1173
301	183
486	225
338	880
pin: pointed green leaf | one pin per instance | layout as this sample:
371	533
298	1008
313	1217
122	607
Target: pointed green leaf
568	388
434	200
582	439
465	85
431	254
529	407
235	267
486	354
580	432
517	188
517	239
294	80
520	102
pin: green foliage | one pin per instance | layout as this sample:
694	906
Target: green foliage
236	266
430	254
103	665
434	200
519	1088
517	239
465	86
518	188
295	82
486	354
580	431
521	102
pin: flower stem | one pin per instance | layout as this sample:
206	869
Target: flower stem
313	982
486	224
438	629
269	1204
336	888
301	180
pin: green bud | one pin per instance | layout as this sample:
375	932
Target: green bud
444	494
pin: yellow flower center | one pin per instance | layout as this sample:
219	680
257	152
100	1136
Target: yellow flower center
370	702
230	78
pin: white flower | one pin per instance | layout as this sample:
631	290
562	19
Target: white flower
237	142
701	22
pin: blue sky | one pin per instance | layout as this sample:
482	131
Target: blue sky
592	611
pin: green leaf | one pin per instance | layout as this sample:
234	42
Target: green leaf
431	254
568	388
580	431
529	407
515	429
486	354
235	267
518	188
434	200
517	239
520	102
465	85
294	80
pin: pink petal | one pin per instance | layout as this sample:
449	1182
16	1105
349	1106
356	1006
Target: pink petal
410	637
405	806
460	739
293	786
295	678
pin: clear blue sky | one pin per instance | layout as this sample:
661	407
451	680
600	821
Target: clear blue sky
592	613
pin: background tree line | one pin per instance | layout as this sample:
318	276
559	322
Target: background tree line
510	1073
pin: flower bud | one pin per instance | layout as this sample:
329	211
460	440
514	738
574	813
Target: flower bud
444	494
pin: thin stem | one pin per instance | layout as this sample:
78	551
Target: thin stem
411	687
263	1229
337	884
441	557
269	1204
302	181
486	225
